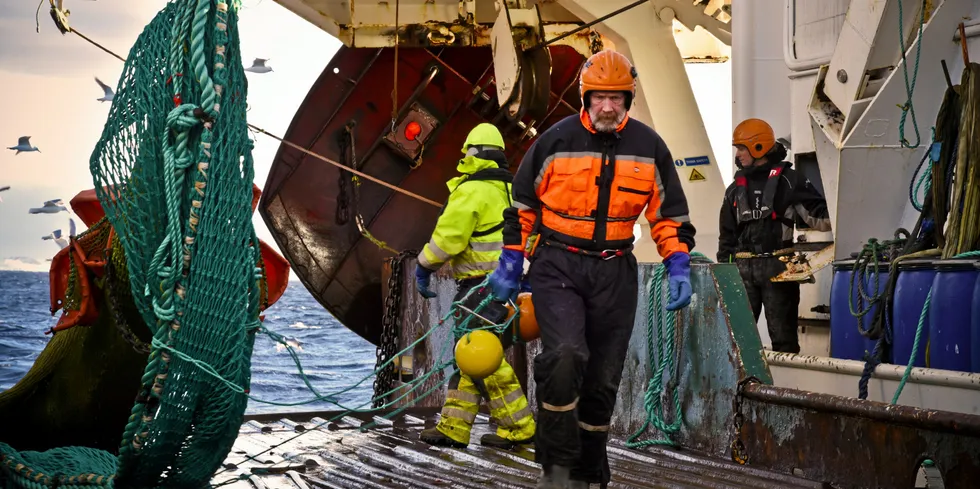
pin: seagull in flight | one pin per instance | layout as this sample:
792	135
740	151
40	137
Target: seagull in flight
258	66
24	145
5	187
105	88
50	207
58	237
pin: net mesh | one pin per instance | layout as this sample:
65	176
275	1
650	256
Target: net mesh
173	171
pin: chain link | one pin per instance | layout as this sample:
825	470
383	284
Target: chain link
349	158
738	447
117	298
390	327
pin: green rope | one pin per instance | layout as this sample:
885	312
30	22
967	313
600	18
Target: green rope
661	339
923	317
459	330
868	264
924	180
907	107
174	172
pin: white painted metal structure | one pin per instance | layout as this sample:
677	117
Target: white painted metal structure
844	133
832	80
658	36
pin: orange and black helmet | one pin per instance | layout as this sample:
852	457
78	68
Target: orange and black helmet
756	135
607	71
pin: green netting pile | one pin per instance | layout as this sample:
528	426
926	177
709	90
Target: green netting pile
173	170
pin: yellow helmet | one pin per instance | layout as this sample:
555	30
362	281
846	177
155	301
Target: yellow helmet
484	134
479	353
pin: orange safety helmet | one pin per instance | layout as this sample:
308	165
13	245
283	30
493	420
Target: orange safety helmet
756	135
607	71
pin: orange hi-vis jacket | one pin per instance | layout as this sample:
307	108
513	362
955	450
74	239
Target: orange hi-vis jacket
589	188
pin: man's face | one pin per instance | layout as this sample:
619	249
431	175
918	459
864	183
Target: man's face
742	155
607	110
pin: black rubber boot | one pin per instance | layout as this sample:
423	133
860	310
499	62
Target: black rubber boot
492	440
433	436
554	477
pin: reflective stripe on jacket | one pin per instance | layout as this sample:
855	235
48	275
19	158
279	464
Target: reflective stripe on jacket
589	189
469	232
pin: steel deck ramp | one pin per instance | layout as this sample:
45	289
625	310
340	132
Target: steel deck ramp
288	451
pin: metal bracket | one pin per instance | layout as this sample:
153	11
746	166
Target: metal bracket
60	16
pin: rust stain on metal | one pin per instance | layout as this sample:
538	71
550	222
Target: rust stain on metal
850	443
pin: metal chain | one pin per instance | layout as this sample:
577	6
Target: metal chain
390	327
738	447
116	297
350	159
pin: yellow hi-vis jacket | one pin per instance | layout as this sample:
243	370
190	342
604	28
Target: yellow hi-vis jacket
469	233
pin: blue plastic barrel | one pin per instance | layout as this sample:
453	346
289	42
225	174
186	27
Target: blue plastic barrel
911	288
975	327
950	315
846	342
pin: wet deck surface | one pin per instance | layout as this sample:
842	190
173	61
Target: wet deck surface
340	455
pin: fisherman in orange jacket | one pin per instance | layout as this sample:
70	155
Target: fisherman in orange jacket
577	194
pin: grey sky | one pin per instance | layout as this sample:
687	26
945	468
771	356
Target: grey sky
50	76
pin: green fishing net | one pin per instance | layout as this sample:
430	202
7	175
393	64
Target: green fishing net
173	171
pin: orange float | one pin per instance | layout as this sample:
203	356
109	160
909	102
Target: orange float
527	327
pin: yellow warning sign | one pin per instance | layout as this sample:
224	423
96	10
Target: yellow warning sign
696	176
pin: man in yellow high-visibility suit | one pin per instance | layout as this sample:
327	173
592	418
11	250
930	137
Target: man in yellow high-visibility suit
469	236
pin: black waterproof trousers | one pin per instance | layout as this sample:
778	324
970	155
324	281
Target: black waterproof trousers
585	307
782	300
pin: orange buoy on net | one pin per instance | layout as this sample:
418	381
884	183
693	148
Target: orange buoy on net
527	327
479	353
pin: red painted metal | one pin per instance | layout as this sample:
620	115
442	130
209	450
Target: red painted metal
336	263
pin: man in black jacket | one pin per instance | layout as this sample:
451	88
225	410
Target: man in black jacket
761	208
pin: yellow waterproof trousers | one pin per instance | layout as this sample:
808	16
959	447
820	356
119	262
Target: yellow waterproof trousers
508	406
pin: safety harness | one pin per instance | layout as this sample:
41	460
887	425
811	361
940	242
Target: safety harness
489	174
757	228
744	210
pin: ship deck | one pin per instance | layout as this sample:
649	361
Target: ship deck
302	450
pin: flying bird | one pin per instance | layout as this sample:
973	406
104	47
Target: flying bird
58	235
108	91
6	187
58	239
24	145
258	66
50	207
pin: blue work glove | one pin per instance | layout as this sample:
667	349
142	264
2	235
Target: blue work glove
525	286
505	280
422	275
679	280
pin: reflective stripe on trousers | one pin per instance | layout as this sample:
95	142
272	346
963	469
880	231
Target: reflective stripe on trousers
585	308
508	404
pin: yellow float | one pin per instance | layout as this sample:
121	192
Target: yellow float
479	353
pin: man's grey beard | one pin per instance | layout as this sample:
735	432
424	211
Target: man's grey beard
605	125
